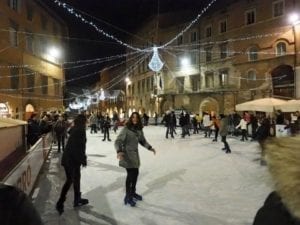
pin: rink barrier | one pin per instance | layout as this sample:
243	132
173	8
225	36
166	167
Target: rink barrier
25	174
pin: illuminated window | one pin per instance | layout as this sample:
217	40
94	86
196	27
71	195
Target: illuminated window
280	49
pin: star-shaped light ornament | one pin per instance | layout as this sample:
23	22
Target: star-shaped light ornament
155	63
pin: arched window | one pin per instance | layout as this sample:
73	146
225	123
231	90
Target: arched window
280	49
252	54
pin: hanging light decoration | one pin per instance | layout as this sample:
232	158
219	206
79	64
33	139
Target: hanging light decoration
155	63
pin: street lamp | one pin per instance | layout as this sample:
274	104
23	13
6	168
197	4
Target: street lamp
294	18
128	81
53	51
53	54
185	62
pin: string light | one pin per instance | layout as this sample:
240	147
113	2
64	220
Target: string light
189	26
126	73
79	16
71	10
72	67
80	95
67	81
207	43
108	58
233	53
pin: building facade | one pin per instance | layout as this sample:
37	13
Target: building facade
109	92
246	50
31	46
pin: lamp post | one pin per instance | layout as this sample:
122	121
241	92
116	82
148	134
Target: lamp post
294	19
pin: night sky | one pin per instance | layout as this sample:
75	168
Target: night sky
112	16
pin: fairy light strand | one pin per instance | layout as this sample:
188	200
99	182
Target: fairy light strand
189	26
81	95
79	16
70	80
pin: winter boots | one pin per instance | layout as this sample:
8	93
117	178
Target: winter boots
137	196
78	201
128	199
60	205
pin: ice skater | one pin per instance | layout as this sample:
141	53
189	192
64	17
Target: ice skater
106	127
223	132
126	146
73	158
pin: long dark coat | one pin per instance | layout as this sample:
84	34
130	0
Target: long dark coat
74	154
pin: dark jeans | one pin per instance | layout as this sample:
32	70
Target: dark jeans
244	135
93	128
73	177
131	179
216	133
226	145
170	130
106	133
60	141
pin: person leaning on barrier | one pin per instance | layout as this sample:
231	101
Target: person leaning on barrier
282	206
16	208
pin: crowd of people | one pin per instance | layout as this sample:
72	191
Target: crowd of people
54	122
281	206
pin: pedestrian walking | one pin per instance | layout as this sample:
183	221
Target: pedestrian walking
73	158
126	146
223	130
282	206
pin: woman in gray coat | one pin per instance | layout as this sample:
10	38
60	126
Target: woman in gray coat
126	146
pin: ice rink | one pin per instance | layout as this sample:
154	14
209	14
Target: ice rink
189	181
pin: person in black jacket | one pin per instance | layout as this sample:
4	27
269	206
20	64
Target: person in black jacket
106	127
73	158
16	208
33	130
282	206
